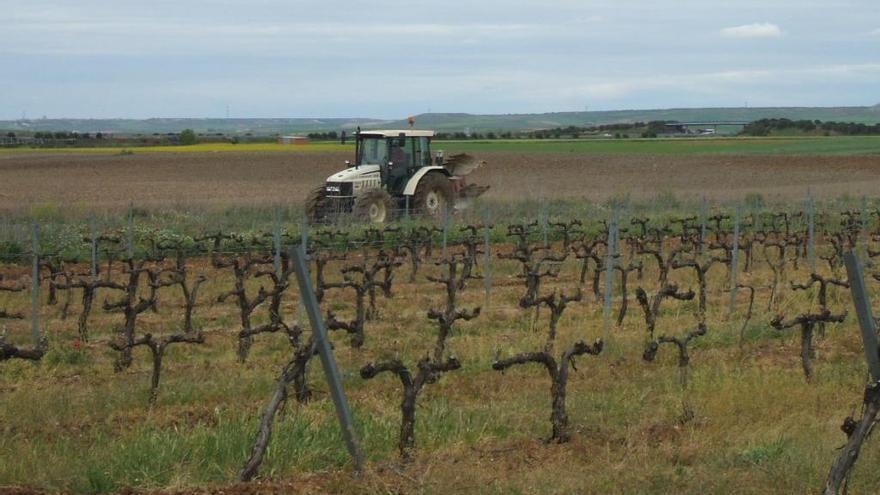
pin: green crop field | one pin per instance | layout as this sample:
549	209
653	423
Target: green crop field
840	145
814	145
195	148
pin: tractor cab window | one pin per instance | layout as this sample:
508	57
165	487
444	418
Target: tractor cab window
373	152
423	151
401	159
402	151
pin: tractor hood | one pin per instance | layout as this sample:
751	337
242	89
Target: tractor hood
354	173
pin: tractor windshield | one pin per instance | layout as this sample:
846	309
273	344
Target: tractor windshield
373	151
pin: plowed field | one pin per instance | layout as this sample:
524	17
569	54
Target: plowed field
260	178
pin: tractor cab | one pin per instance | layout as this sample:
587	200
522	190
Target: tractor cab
399	154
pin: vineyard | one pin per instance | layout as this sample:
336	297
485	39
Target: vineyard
647	349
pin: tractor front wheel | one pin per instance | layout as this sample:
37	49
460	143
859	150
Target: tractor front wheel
316	207
375	206
433	195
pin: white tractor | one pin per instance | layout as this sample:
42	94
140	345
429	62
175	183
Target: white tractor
393	172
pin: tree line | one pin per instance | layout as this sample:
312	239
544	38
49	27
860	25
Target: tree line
765	127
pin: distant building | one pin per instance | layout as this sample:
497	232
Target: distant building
688	127
293	140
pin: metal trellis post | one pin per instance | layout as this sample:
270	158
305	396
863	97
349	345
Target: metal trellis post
609	273
130	240
703	214
445	229
863	311
93	232
276	242
811	233
328	361
304	244
544	221
35	286
734	261
487	258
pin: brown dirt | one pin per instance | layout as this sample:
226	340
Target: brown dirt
261	178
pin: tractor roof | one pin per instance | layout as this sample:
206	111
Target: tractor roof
397	133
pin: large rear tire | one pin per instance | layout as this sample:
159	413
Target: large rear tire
375	206
433	195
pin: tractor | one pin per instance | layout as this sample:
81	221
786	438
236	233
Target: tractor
394	171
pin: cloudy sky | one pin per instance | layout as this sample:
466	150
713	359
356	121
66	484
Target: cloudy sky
387	59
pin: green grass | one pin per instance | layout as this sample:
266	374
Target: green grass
801	145
837	145
195	148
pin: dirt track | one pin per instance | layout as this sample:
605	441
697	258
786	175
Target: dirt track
251	178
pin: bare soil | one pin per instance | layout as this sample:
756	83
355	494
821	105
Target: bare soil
262	178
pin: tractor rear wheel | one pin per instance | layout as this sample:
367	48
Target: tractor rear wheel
375	206
433	195
316	205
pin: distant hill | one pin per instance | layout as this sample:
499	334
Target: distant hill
442	121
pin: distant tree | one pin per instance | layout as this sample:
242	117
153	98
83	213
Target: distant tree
187	137
10	134
99	135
